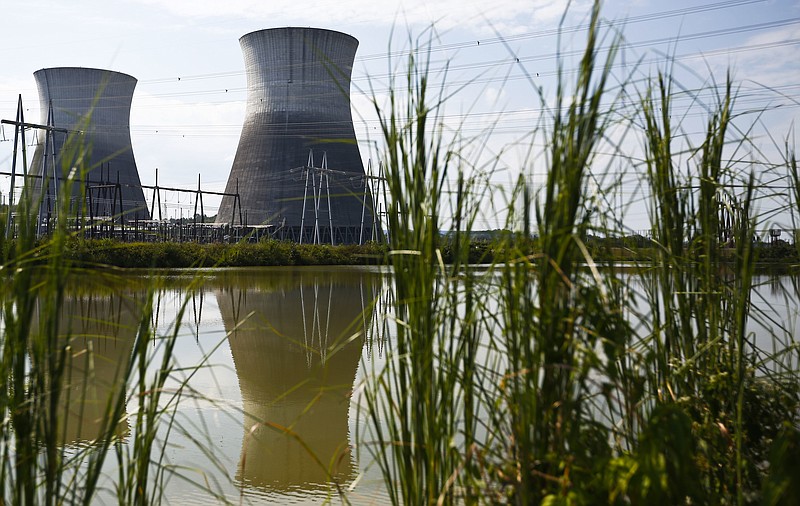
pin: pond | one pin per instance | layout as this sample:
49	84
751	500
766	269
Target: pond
270	358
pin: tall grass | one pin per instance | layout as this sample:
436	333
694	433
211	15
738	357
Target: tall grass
545	380
420	408
33	360
700	300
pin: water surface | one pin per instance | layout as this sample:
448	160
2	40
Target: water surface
272	357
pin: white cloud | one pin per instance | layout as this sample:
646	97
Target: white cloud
782	64
494	95
474	15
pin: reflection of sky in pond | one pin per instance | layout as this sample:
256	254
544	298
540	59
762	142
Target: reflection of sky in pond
772	323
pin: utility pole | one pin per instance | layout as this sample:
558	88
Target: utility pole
369	192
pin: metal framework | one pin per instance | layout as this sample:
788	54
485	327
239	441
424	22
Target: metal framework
101	214
318	181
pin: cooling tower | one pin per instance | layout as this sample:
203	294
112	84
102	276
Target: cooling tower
298	103
104	97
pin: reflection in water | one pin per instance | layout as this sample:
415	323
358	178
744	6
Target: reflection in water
101	330
295	365
296	340
773	321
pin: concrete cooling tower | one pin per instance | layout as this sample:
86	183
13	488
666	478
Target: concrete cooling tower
105	98
298	103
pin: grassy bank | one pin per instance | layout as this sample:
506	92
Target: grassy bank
171	255
109	252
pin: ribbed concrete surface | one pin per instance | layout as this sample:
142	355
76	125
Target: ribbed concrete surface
105	97
298	99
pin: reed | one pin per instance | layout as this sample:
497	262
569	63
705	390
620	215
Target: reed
547	378
423	401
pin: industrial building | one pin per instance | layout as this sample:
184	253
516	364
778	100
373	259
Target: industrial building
93	106
298	170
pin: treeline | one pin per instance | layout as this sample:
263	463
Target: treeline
637	248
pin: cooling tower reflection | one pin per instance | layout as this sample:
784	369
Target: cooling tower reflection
100	330
296	339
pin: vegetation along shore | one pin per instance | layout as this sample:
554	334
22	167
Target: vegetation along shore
485	249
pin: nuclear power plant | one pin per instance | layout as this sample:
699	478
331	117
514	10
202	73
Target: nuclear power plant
94	105
297	168
297	173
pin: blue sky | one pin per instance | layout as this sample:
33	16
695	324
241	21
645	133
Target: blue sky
191	126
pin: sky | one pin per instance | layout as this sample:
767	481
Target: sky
500	57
